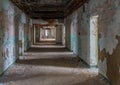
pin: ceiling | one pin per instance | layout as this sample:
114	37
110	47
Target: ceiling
48	9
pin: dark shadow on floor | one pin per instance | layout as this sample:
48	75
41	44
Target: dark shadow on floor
36	49
18	76
59	62
53	59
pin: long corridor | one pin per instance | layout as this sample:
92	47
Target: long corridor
50	66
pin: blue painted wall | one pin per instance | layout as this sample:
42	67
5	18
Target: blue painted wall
77	34
10	22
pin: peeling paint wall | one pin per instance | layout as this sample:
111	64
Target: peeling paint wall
77	33
109	37
27	41
21	34
25	27
10	25
84	44
7	34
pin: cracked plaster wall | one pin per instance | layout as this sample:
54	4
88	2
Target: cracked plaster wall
77	33
108	33
109	37
10	22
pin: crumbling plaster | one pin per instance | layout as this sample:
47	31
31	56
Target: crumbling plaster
10	21
109	37
108	33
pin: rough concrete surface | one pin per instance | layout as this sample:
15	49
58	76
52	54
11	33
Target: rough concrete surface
50	68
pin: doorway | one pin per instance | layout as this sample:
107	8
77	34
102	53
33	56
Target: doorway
94	40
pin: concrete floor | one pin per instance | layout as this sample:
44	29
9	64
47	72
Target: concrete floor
53	67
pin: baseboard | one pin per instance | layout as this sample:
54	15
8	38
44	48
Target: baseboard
10	66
